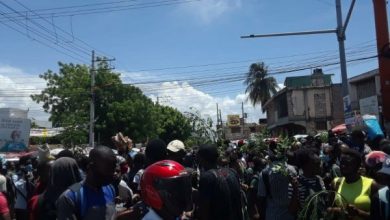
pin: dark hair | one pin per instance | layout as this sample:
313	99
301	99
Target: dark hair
352	153
139	160
156	150
304	156
384	146
100	152
208	152
65	153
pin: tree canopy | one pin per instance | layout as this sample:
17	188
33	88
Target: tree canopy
118	107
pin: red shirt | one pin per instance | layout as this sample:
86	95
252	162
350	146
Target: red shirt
3	204
33	207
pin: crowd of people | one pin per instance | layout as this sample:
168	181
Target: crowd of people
346	176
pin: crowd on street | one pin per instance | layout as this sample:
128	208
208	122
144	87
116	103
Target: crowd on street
344	176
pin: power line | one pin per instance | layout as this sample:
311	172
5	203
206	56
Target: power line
109	9
59	28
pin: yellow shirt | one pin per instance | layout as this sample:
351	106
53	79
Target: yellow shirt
357	193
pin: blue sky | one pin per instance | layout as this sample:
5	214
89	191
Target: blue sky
193	42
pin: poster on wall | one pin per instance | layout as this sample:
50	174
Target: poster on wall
14	134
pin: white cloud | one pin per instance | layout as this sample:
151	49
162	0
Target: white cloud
209	10
183	96
16	88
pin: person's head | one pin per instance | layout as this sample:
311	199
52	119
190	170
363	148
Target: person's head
308	161
43	171
350	162
166	188
139	160
258	164
358	137
156	150
207	156
101	167
384	146
65	153
15	135
64	172
176	151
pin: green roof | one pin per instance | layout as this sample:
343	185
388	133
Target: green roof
306	81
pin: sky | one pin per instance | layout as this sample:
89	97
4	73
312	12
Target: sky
188	53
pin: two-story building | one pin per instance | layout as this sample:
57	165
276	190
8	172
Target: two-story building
307	103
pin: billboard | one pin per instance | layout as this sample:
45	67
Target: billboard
14	134
369	106
233	120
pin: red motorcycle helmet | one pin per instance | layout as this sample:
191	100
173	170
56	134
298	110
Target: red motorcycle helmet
167	185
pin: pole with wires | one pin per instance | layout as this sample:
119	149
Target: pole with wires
92	103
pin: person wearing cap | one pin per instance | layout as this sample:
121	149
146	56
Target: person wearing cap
176	151
380	201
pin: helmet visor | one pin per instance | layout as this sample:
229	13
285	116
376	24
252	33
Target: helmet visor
176	193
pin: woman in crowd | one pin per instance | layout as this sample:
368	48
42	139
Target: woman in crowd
352	188
63	173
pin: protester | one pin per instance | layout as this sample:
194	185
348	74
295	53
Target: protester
380	202
253	205
94	197
219	189
24	190
156	150
273	188
138	164
353	189
166	190
176	151
64	172
124	194
309	182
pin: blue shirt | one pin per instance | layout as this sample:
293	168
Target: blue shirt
87	203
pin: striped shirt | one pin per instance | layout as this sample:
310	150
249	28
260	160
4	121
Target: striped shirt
306	188
278	201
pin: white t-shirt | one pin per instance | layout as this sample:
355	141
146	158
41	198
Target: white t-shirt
124	191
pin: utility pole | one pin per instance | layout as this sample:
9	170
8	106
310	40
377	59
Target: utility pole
92	104
340	33
92	101
382	37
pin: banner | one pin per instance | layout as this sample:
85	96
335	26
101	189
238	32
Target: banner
233	120
14	134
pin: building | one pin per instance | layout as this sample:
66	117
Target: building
237	129
307	103
365	93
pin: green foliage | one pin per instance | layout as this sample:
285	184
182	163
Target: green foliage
118	107
202	130
172	124
260	86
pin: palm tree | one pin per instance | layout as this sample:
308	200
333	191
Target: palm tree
260	86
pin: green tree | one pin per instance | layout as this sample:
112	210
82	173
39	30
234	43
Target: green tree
202	130
260	86
172	124
118	107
